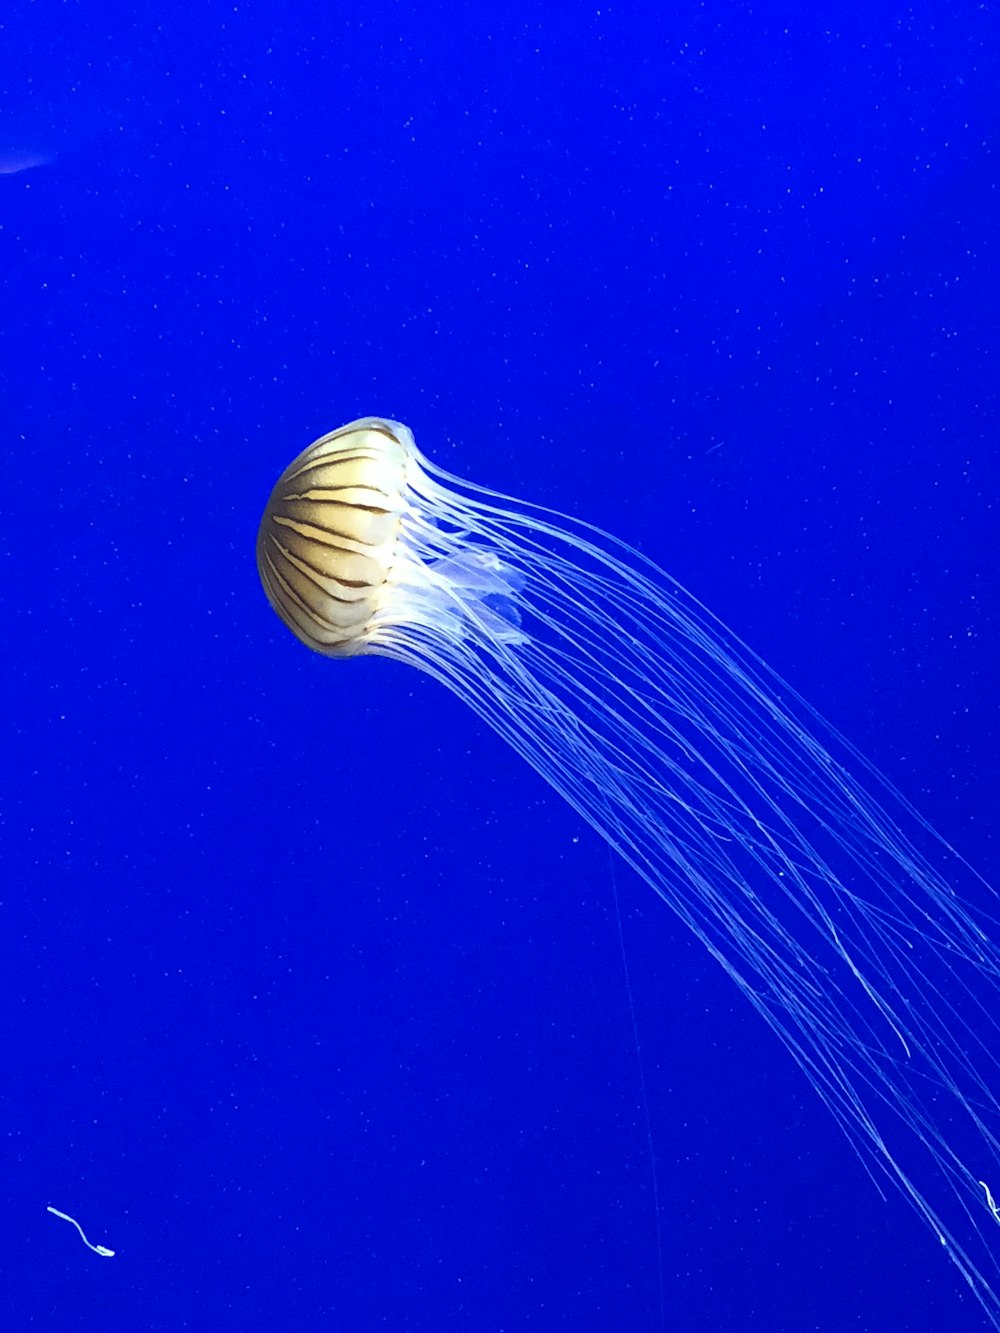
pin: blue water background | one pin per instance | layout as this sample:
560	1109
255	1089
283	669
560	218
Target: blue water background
313	1005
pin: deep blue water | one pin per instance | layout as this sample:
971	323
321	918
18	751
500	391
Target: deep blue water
313	1005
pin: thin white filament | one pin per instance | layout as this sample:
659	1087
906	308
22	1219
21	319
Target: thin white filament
102	1250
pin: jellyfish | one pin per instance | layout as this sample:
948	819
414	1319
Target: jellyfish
863	940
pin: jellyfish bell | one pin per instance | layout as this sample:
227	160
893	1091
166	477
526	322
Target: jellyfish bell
360	550
863	940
